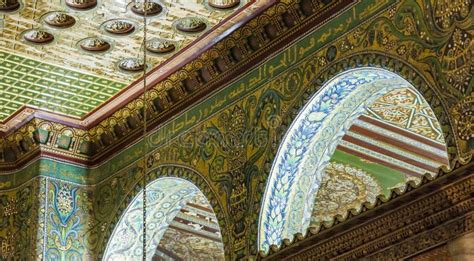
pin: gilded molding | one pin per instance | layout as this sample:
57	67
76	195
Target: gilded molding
260	37
436	210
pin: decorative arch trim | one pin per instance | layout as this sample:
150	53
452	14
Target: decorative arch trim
297	171
182	178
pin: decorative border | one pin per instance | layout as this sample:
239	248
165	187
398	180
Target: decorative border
443	207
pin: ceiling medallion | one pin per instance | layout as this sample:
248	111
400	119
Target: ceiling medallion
38	36
160	46
150	8
9	5
59	20
224	4
81	4
94	44
190	25
119	27
131	65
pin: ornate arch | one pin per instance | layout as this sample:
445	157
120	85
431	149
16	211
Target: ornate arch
188	179
429	91
322	124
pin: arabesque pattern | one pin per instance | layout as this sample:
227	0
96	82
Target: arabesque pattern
403	37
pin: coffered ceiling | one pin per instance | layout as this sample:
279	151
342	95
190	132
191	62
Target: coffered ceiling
71	56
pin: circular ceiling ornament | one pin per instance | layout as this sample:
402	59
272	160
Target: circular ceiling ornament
94	44
190	25
131	65
119	26
160	46
150	8
9	5
81	4
37	36
224	4
59	20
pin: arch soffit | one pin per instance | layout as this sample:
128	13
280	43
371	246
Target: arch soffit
168	171
282	203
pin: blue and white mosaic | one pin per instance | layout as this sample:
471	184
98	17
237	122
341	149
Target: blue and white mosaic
308	146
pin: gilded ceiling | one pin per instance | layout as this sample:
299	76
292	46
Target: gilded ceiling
71	56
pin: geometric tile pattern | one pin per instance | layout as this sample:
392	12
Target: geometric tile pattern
25	81
405	108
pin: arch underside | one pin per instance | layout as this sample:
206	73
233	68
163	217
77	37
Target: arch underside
177	215
331	145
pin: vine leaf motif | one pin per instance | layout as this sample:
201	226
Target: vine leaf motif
457	61
65	208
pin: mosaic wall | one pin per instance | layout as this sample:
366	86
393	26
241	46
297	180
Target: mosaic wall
232	138
20	216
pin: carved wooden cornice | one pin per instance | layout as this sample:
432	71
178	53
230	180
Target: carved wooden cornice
245	48
420	217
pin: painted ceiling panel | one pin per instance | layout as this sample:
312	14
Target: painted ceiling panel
342	188
407	109
396	140
29	82
62	76
193	234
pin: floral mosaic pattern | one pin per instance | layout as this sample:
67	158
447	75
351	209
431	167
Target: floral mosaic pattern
165	198
64	223
308	145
